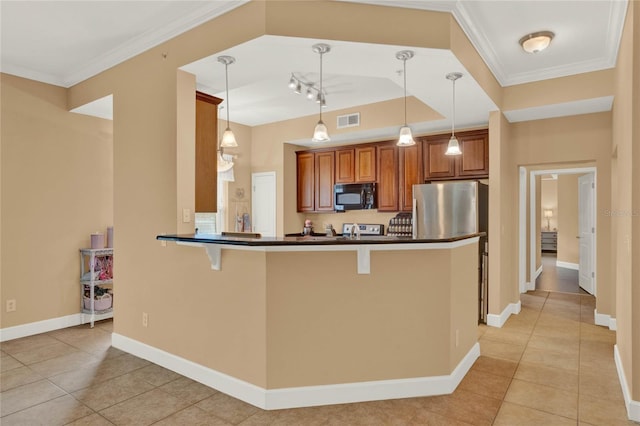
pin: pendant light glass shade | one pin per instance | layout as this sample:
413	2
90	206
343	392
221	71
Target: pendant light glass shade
405	138
320	132
453	148
228	138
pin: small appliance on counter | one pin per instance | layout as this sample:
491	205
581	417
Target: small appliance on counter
401	225
363	228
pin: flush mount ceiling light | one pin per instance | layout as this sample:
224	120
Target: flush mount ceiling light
320	133
453	148
536	42
405	138
228	138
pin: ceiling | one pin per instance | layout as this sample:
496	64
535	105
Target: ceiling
63	43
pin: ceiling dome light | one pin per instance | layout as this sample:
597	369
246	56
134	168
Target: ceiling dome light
536	42
320	132
405	138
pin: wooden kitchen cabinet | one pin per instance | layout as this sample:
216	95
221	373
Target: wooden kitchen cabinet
474	160
345	166
315	179
437	165
410	173
206	153
472	164
387	165
306	181
365	164
324	180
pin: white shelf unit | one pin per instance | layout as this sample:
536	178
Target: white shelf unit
94	272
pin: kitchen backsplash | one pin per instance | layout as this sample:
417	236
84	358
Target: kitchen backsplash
320	220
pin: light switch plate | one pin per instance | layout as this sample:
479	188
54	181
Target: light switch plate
186	215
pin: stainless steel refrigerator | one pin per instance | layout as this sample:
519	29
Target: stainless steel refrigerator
453	209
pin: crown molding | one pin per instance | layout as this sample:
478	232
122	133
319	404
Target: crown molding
149	39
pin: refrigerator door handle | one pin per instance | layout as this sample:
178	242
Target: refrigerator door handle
414	212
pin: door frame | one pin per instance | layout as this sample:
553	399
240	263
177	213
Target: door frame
533	273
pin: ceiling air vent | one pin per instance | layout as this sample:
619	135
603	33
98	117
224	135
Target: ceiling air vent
349	120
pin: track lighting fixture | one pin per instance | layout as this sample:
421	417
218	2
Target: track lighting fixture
311	91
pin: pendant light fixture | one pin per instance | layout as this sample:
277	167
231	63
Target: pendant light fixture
320	133
405	138
223	164
454	147
228	138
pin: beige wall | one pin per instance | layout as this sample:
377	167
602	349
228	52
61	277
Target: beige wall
626	199
337	326
503	178
568	244
57	188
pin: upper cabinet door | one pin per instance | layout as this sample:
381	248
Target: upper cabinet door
365	164
324	170
206	167
475	154
437	165
345	166
410	174
306	181
387	178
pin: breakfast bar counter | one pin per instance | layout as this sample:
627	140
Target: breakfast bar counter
343	320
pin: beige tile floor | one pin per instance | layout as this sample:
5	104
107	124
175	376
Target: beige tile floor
549	365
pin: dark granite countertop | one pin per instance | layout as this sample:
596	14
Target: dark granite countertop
303	240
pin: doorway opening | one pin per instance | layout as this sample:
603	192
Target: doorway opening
559	274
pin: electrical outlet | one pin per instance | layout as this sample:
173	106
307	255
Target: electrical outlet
145	319
11	305
186	215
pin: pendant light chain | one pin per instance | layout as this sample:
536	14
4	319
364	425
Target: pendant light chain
404	74
321	93
453	122
226	79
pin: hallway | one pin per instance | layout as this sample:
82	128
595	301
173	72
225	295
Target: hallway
554	278
549	365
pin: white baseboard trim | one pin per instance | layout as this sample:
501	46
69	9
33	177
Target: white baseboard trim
494	320
306	396
531	286
38	327
538	272
633	407
604	320
567	265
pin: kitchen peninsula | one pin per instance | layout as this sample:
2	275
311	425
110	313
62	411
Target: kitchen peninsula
346	320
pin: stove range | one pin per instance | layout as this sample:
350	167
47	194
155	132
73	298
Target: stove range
365	228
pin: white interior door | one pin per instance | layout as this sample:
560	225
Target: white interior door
263	203
586	226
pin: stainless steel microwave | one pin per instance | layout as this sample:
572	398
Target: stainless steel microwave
354	196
